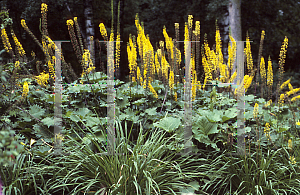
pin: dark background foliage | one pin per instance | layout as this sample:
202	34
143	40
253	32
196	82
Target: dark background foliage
277	18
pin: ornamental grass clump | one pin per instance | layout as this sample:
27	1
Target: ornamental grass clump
146	167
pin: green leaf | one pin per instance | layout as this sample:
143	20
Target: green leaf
168	124
151	111
204	126
229	114
37	111
51	122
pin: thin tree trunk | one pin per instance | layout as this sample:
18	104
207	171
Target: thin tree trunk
234	9
88	14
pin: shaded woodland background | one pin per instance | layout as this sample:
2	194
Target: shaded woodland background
277	18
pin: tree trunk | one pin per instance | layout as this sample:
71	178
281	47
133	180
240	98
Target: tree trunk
234	9
88	14
225	36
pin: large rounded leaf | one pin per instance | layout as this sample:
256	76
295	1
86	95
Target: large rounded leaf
168	124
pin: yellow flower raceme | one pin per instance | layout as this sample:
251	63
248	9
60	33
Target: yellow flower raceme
152	90
5	40
171	80
249	55
270	73
295	98
281	100
103	31
255	110
268	103
248	83
44	8
284	84
18	45
175	96
17	64
262	68
25	89
42	79
231	52
293	91
70	22
290	144
267	130
292	159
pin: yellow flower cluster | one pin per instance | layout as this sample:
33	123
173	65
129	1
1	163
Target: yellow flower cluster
249	55
152	90
295	98
282	57
18	45
171	80
262	68
146	52
88	65
175	96
232	77
281	101
255	110
103	31
70	22
42	79
270	73
51	63
267	130
25	89
298	123
293	91
169	42
5	40
23	23
268	103
132	56
292	159
290	144
248	82
44	8
139	77
17	64
284	84
231	52
190	21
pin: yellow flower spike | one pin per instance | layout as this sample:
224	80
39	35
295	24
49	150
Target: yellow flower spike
70	22
171	80
5	40
152	90
295	98
23	23
267	130
42	79
18	45
248	83
292	159
284	84
249	55
175	96
17	64
25	89
103	31
262	68
255	110
290	144
44	8
270	73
